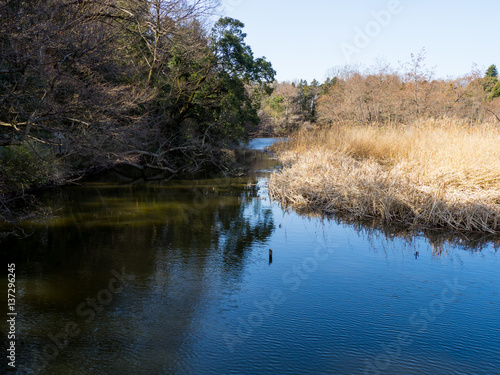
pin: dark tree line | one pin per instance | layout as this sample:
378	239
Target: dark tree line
144	82
149	83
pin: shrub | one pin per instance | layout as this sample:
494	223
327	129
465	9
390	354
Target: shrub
25	167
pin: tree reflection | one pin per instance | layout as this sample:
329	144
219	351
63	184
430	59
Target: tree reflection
440	240
182	240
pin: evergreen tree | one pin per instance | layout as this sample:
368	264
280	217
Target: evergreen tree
490	80
327	84
492	71
495	92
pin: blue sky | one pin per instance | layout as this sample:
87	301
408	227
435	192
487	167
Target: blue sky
306	38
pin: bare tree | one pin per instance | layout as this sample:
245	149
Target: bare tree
389	96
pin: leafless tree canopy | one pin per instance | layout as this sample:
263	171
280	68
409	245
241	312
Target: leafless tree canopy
385	95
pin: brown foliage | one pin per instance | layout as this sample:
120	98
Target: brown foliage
388	96
430	174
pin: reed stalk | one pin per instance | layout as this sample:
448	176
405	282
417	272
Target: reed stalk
433	173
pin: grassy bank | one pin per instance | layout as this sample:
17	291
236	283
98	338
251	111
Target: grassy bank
434	173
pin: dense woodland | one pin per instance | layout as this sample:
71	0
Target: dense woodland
92	84
162	85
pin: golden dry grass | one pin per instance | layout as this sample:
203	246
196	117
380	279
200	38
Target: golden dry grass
433	173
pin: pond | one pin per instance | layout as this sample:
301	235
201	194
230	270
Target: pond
175	277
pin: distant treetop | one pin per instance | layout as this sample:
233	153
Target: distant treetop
492	71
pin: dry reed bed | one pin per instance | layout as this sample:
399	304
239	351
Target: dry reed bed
433	174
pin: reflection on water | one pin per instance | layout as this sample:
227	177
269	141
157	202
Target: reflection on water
174	278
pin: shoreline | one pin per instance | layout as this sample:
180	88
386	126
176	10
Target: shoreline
18	206
327	172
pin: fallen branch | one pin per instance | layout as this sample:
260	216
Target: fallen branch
493	113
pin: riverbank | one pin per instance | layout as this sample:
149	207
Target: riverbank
26	171
431	174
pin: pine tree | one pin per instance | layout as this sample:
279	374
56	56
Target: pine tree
492	71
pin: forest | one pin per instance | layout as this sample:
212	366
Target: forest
89	85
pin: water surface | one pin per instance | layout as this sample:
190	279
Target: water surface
175	278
